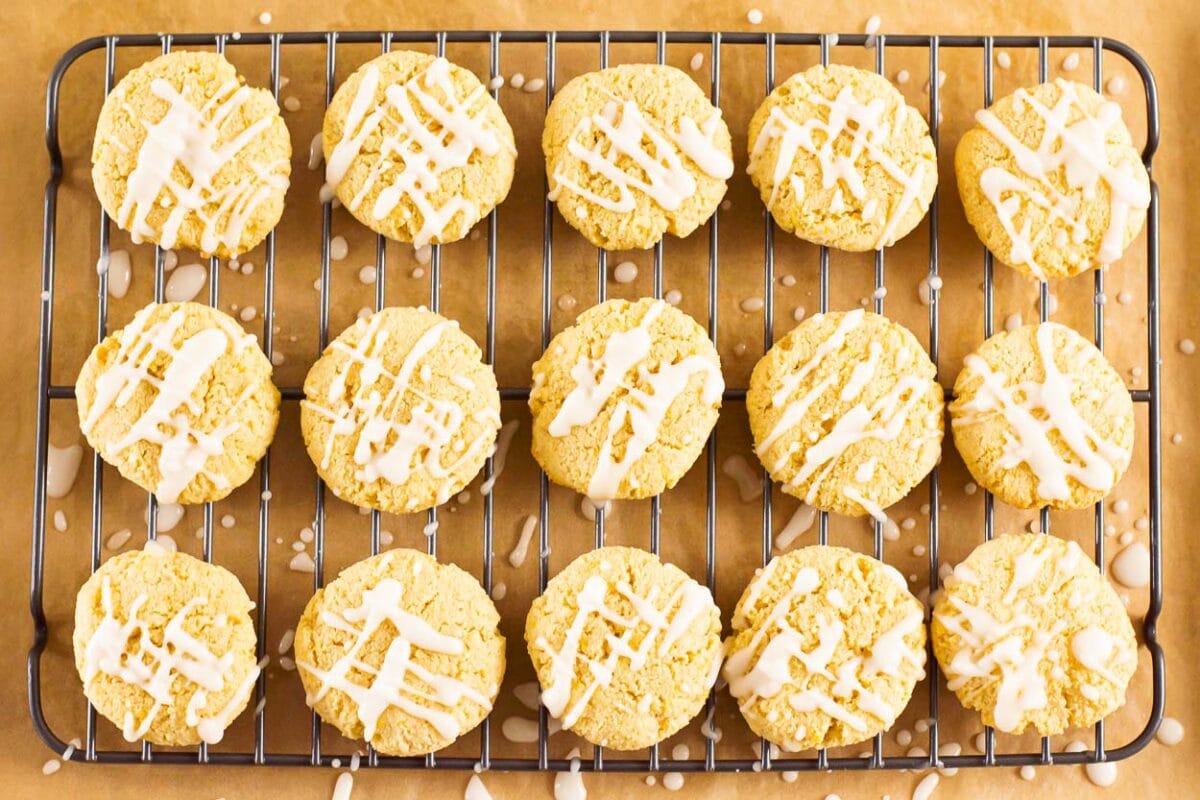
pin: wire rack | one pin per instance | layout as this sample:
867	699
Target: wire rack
717	44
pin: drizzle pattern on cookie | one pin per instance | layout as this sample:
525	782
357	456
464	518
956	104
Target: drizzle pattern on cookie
126	650
868	130
193	140
615	379
659	171
1047	432
168	421
1012	643
426	129
883	419
432	436
374	688
763	668
1074	153
658	626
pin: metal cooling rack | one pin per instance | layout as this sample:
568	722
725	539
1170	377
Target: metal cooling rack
717	43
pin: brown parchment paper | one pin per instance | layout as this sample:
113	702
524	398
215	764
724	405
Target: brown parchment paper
37	33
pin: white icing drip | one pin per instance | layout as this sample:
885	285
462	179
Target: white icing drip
1034	410
167	422
413	153
189	137
659	171
994	649
154	668
386	447
388	682
62	465
868	129
597	381
1078	152
663	624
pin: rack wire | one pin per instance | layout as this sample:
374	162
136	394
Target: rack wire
716	42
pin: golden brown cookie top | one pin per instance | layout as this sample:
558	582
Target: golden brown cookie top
1051	181
187	155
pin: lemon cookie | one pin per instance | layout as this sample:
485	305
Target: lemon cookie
841	160
1041	418
401	651
846	412
1028	632
626	647
634	152
1051	181
416	148
186	155
400	412
624	399
180	400
165	646
826	648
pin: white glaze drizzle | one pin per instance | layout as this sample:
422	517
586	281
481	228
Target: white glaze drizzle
1077	151
659	627
191	137
388	682
183	449
154	668
767	675
414	153
1034	411
657	171
622	366
884	419
1006	642
868	129
385	446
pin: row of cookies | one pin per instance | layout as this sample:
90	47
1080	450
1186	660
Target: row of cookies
401	412
418	150
826	647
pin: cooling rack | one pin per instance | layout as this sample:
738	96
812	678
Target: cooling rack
716	44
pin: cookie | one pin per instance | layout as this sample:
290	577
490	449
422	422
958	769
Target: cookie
841	160
187	155
1051	181
1042	419
846	412
164	645
626	647
400	412
1028	632
624	399
416	148
401	651
826	648
180	400
634	152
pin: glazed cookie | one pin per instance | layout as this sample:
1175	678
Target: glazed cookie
1051	181
841	160
634	152
827	646
626	647
846	412
180	401
1042	419
186	155
400	412
416	148
624	399
1028	632
401	651
165	646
